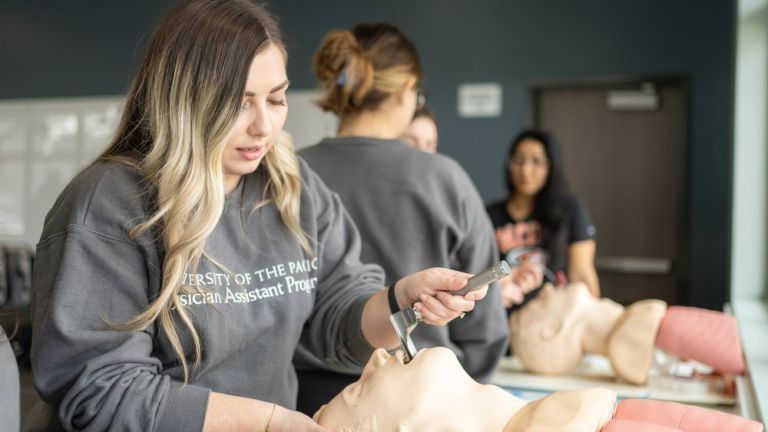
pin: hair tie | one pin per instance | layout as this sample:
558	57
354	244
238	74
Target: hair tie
342	78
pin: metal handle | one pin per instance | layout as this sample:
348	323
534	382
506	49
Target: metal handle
486	277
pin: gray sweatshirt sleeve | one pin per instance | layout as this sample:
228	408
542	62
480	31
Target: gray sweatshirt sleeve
98	377
9	385
333	332
88	276
482	337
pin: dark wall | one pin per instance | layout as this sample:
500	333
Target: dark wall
52	49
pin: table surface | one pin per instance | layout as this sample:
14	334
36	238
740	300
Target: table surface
596	371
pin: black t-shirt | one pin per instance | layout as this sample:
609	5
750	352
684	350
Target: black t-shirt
512	234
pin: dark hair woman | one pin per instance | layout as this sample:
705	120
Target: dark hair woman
540	212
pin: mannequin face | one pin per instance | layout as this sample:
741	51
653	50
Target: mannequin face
529	167
430	393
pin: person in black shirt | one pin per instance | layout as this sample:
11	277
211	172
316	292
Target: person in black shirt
540	213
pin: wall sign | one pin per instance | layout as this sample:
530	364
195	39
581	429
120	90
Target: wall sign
479	100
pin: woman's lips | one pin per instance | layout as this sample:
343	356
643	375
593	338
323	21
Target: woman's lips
251	153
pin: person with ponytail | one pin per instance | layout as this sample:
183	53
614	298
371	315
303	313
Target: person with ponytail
177	273
413	209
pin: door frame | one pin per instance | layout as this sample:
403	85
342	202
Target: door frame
535	86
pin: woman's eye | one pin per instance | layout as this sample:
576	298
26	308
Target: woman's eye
279	102
245	105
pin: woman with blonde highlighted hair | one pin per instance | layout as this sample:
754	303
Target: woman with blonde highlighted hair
414	210
177	273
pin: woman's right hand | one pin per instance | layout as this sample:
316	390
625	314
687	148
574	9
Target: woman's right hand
285	420
429	291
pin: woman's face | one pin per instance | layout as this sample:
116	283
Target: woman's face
422	134
262	116
529	167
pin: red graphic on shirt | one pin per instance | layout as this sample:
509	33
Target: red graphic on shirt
517	235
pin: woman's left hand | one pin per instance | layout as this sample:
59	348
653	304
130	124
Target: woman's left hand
430	292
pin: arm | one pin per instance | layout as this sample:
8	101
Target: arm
483	335
351	312
96	376
429	291
581	265
581	252
226	413
106	379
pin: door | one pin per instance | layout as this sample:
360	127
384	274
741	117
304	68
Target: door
624	154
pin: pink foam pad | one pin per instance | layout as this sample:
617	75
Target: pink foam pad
636	426
706	336
684	417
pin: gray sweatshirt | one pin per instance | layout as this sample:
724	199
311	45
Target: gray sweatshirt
88	273
9	385
416	210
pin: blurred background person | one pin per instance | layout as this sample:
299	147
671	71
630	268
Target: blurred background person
540	213
423	131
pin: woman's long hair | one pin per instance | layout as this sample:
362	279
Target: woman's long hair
181	106
549	202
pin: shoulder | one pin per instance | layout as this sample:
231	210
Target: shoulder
308	153
438	162
496	206
574	205
314	191
104	197
580	221
437	169
310	180
497	210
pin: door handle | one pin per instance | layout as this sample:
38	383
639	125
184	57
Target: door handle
634	265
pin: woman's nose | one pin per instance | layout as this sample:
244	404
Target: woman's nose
260	124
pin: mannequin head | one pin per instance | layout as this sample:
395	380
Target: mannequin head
430	393
433	393
551	333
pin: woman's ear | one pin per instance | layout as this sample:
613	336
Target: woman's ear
409	86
